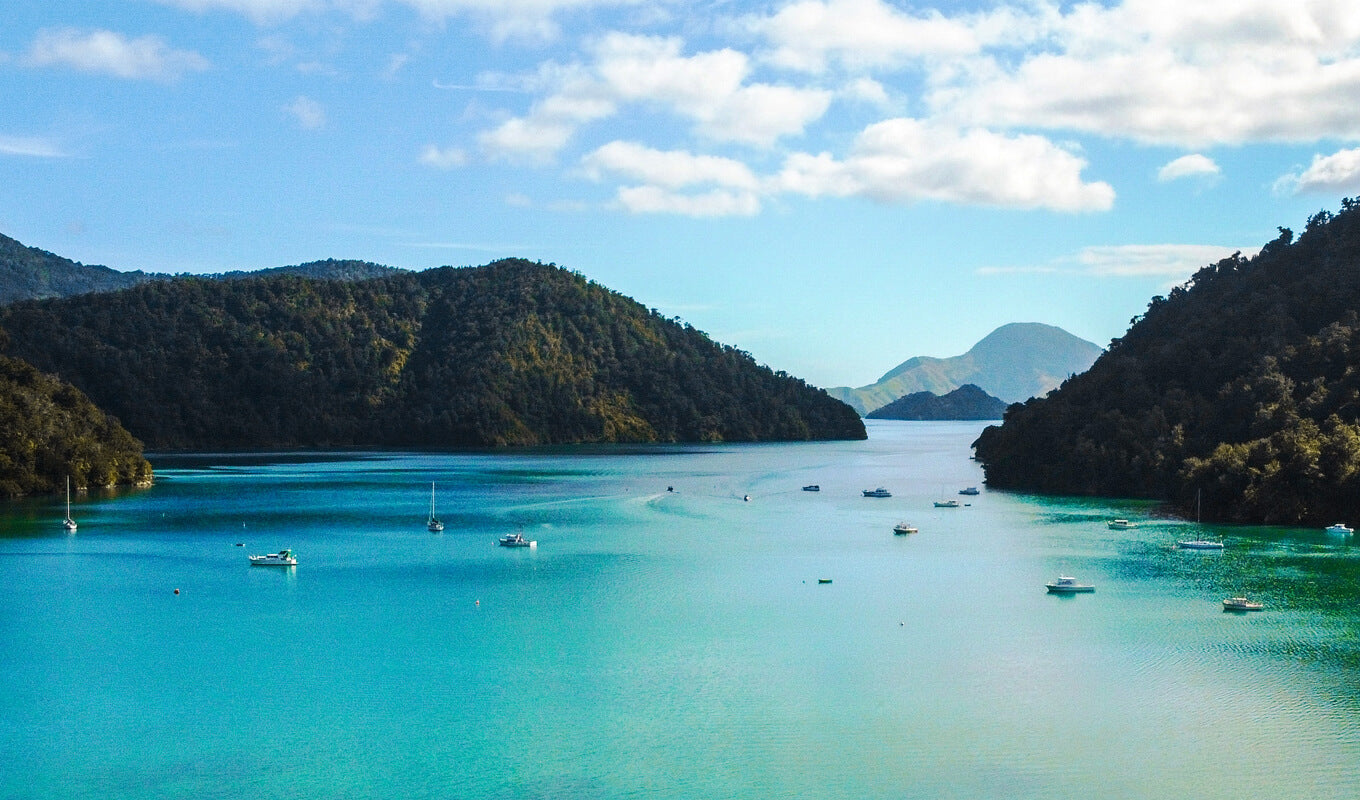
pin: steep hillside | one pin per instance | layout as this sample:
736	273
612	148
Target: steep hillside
965	402
1014	363
510	353
1243	386
49	430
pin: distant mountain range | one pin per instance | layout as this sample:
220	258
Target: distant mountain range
966	402
28	273
1014	363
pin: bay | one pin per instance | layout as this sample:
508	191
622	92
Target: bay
662	643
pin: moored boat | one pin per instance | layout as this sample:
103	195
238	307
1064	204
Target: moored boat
812	487
283	558
433	525
515	540
947	504
971	490
1200	544
1121	524
1340	528
902	528
1066	584
68	523
879	492
1241	604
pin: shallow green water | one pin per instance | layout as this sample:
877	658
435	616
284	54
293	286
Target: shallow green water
662	644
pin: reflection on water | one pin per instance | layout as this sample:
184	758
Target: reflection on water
662	643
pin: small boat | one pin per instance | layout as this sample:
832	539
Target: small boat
903	528
812	487
1121	524
971	490
1340	528
947	504
1200	544
515	540
1241	604
879	492
283	558
433	525
68	523
1066	584
824	580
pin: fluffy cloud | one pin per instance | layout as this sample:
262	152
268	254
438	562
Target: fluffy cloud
445	158
714	203
906	160
308	113
669	169
1188	166
110	53
709	89
1171	72
1338	172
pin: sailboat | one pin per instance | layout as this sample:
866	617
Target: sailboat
68	523
434	525
1199	544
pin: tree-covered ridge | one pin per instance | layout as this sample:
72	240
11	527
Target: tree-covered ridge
968	402
1243	385
510	353
27	273
50	430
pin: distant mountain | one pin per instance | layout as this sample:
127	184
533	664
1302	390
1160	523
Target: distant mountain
27	273
512	353
965	402
1014	363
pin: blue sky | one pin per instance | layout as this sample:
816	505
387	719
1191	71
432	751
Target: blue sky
831	185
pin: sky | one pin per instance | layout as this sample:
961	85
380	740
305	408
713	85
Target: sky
833	186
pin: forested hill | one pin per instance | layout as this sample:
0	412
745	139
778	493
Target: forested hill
49	431
512	353
966	402
1243	384
27	272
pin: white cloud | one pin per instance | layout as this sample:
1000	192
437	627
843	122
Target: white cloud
709	89
31	146
1178	261
109	53
308	113
669	169
906	160
1188	166
446	158
1171	72
714	203
1338	172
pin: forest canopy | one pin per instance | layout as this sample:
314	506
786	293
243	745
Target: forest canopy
1242	387
512	353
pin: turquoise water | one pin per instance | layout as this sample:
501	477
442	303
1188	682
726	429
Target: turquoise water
662	644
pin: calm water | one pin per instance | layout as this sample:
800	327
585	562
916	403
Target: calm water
662	644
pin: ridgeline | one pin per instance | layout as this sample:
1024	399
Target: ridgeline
512	353
1242	385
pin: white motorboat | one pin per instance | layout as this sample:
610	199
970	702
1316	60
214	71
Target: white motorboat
68	523
879	492
970	491
902	528
1241	604
1340	528
1121	524
515	540
1066	584
947	504
1200	544
283	558
433	525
